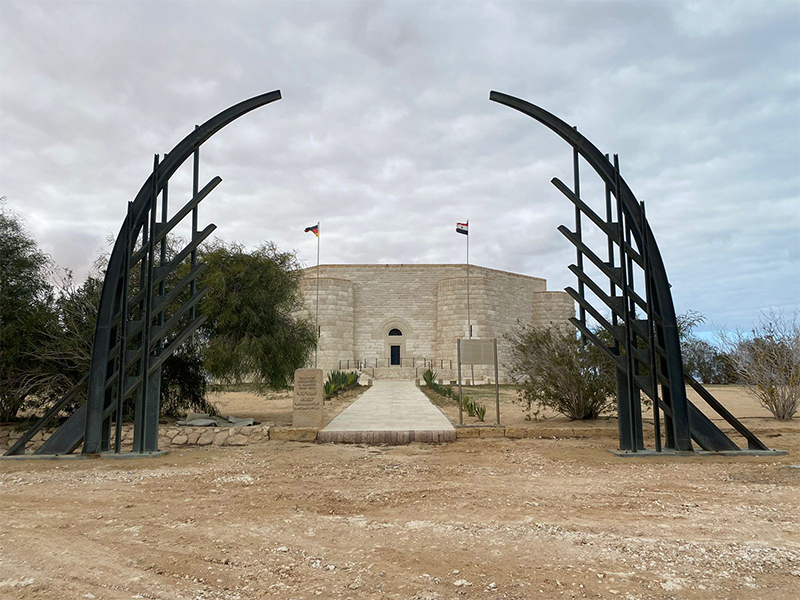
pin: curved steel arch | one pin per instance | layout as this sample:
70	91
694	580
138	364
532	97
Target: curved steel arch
684	421
88	425
91	424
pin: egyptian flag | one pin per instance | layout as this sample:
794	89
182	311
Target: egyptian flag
313	229
463	228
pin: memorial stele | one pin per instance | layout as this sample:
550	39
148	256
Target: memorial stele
307	398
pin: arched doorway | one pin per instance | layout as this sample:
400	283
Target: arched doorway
395	347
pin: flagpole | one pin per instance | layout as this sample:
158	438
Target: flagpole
469	318
316	349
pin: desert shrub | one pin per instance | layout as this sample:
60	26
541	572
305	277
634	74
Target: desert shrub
702	360
768	360
557	371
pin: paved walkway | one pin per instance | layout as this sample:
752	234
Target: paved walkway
390	412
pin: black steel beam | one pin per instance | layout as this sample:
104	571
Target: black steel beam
601	223
19	446
753	443
630	207
96	402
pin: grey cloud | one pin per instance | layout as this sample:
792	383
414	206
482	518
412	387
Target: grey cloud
386	135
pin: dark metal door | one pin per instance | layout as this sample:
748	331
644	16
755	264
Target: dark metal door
395	355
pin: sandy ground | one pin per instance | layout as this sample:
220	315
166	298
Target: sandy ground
494	518
275	408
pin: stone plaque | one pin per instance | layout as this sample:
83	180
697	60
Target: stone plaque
307	398
477	352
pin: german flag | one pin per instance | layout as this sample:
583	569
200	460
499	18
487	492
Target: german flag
313	229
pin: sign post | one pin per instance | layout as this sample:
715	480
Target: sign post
460	396
478	352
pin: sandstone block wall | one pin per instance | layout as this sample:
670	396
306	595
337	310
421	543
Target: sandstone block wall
360	304
552	308
336	317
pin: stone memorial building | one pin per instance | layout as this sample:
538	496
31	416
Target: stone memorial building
393	321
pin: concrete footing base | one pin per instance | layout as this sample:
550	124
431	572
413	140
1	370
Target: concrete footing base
121	456
703	453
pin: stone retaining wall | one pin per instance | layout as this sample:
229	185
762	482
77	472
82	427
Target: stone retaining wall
169	437
173	437
206	436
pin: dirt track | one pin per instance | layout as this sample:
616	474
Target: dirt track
474	519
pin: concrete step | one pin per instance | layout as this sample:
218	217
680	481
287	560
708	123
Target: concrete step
386	437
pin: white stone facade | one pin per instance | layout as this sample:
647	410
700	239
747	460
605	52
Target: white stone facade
360	305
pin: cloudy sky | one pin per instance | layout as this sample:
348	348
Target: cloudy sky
385	133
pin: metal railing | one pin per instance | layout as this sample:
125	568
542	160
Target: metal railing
350	364
405	361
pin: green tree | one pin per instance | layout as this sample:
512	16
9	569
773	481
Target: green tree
558	371
184	382
26	298
253	332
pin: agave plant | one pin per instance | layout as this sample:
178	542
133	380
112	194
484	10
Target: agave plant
430	378
339	381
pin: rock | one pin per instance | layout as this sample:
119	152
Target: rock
237	439
467	432
180	439
193	437
219	439
492	587
492	432
516	432
461	583
293	434
205	438
281	549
